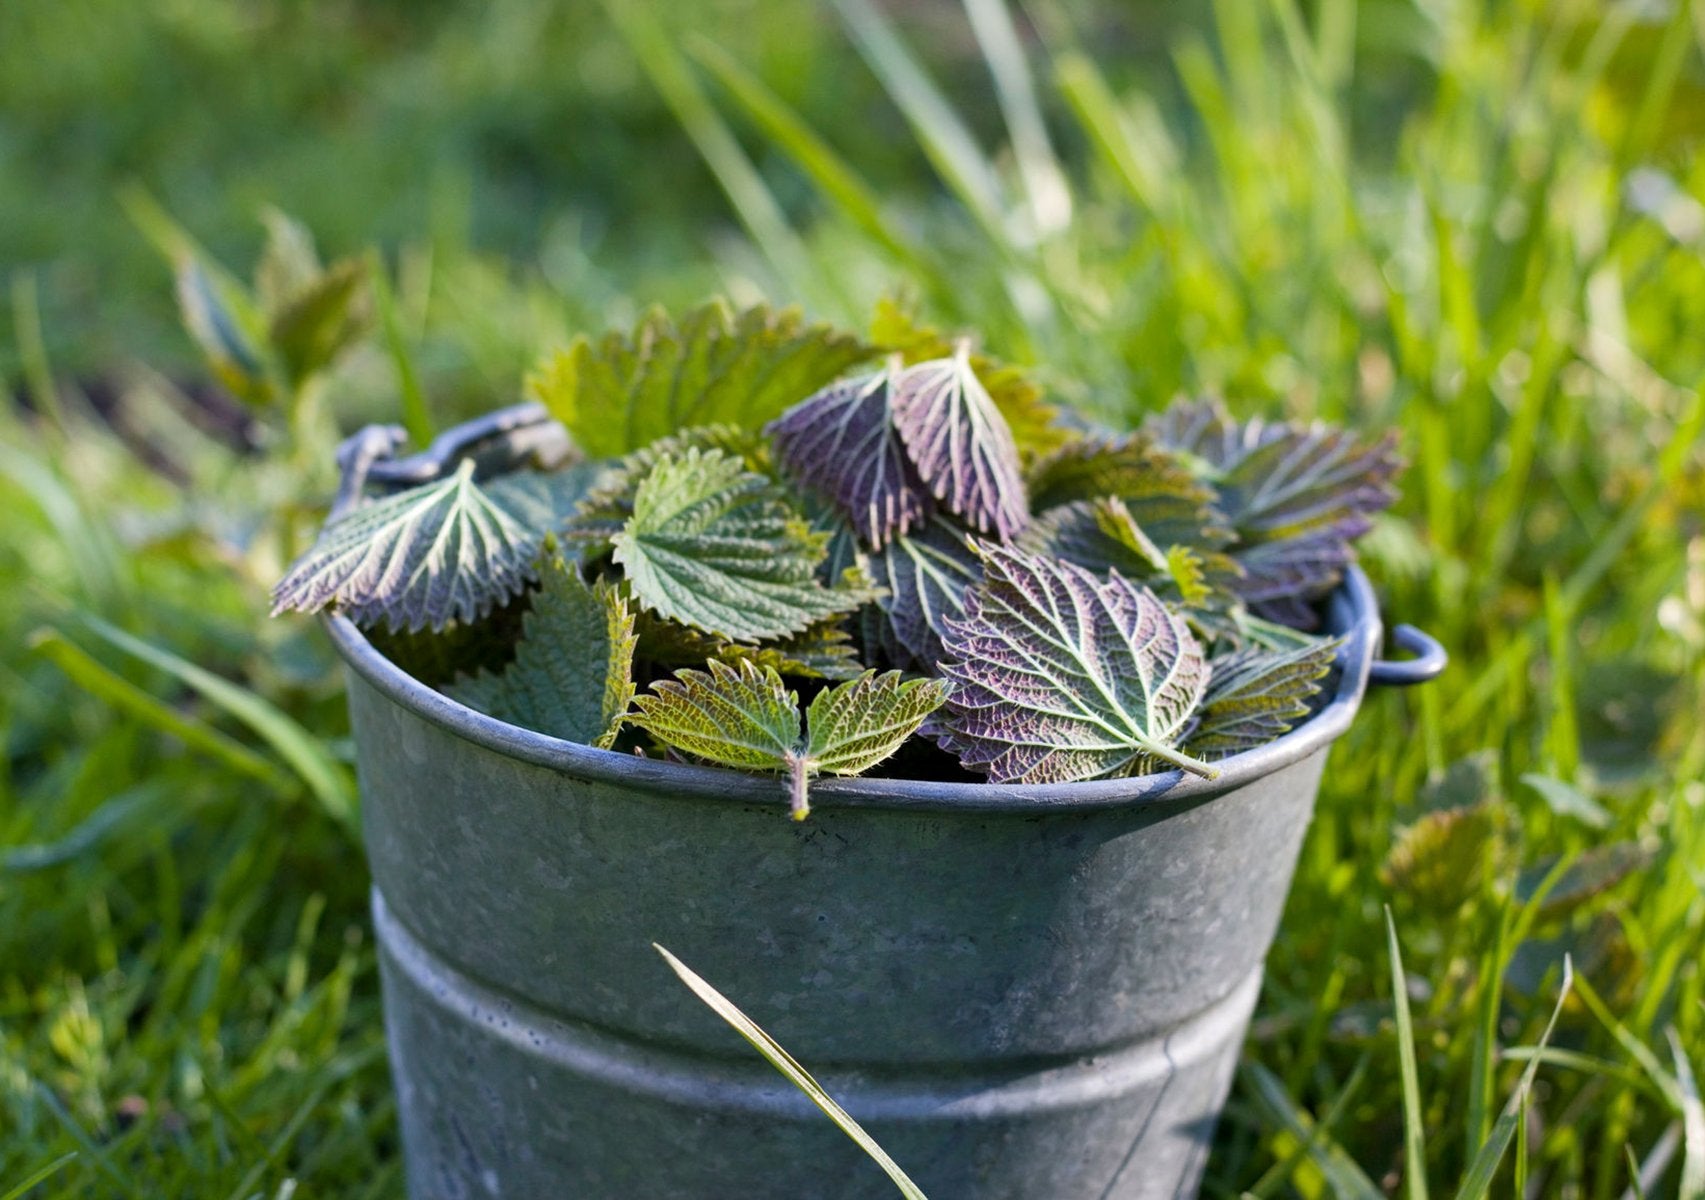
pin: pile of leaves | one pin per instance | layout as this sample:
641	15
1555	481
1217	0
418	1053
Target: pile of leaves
808	548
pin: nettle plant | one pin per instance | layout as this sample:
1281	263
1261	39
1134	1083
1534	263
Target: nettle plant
815	553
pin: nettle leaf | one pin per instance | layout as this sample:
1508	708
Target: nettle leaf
210	313
1296	495
288	263
1098	535
842	443
1035	423
960	444
321	319
1440	860
824	651
1188	571
442	552
1061	676
860	723
714	546
547	499
624	391
925	575
608	502
1158	487
739	715
1281	577
745	716
1255	695
572	676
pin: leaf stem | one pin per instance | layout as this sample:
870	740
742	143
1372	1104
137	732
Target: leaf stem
798	781
1181	760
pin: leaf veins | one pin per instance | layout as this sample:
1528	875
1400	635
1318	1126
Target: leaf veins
1062	676
714	546
572	676
624	391
442	552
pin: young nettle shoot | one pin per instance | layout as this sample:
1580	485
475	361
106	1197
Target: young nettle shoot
899	531
745	716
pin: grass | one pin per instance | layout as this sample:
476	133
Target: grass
1504	260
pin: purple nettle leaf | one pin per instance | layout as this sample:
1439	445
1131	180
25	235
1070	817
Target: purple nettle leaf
1098	535
1296	495
1276	479
925	575
1157	486
960	444
842	443
1060	675
1279	576
1256	695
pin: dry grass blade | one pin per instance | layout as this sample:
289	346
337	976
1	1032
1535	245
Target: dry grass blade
797	1075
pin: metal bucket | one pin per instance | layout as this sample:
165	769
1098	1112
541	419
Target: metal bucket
1032	992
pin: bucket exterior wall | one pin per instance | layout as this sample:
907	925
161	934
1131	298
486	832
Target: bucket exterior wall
1033	993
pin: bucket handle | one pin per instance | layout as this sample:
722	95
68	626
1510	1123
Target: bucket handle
498	441
1428	663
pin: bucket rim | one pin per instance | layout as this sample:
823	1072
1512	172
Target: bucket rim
1351	611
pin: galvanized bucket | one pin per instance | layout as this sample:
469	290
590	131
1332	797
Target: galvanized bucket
1023	992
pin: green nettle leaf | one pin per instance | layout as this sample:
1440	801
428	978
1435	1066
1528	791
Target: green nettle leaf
1255	695
824	651
572	676
1189	574
1441	859
739	715
212	320
608	502
288	262
547	500
1060	675
1034	422
1157	487
442	552
323	318
714	546
745	716
624	391
924	575
858	724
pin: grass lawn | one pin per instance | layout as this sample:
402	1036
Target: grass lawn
1484	223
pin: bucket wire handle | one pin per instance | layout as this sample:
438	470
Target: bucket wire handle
1428	663
505	437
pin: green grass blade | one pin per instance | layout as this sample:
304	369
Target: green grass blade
97	679
1414	1131
417	416
32	348
1045	186
797	1075
39	1176
1634	1174
128	811
753	202
327	780
1148	172
1692	1185
97	1155
1347	1180
1477	1184
1280	1173
856	200
940	131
